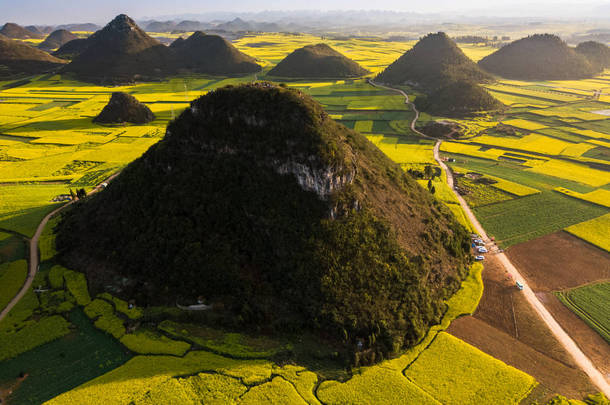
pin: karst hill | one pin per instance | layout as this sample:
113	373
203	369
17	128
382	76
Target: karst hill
317	61
56	39
538	57
433	62
447	77
261	203
123	108
17	58
211	54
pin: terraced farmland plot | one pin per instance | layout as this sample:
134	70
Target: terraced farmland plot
12	277
590	303
599	196
64	364
524	124
529	143
536	94
594	231
408	153
516	172
23	206
526	218
573	172
467	375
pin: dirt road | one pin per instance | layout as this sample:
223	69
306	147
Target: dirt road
570	346
34	259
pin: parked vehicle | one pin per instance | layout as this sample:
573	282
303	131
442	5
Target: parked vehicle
482	249
519	285
479	258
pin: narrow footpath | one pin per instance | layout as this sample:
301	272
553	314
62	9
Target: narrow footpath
33	262
564	339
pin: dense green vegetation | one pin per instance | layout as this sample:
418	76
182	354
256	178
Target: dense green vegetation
268	249
122	108
317	61
233	345
56	39
597	54
12	277
450	80
212	54
526	218
539	57
590	303
63	364
18	59
434	62
457	99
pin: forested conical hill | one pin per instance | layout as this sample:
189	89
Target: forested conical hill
212	54
538	57
123	107
597	54
72	49
17	58
121	52
435	61
317	61
56	39
12	30
255	199
457	99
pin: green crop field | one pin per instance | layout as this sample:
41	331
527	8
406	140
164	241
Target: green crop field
590	303
64	364
527	218
12	277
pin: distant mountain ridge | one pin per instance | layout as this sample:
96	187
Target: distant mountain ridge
15	31
56	39
18	58
121	52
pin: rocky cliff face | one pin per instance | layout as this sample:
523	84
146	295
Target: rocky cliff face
322	181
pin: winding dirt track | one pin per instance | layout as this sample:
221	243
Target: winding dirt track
34	257
564	339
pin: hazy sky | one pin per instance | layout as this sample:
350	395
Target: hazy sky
101	11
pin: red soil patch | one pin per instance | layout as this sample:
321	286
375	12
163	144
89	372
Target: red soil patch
558	261
589	341
555	376
506	327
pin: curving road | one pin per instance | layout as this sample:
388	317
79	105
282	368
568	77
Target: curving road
566	341
34	259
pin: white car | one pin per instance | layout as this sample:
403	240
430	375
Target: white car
482	249
479	258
